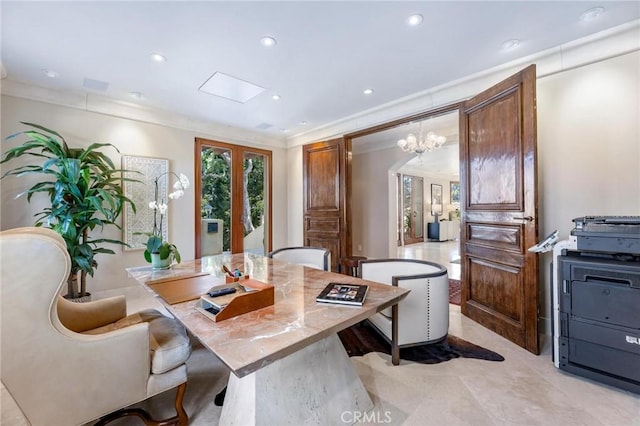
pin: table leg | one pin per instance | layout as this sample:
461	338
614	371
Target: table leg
316	385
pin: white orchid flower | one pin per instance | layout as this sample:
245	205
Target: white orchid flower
184	181
162	208
176	194
153	205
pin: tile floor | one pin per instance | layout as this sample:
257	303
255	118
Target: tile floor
444	253
524	389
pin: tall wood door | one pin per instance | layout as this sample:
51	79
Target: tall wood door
325	172
499	214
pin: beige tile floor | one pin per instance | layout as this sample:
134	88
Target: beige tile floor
524	389
443	252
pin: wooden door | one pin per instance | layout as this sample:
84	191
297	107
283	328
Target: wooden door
499	212
325	172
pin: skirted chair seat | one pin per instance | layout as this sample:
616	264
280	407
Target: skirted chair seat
69	363
313	257
423	315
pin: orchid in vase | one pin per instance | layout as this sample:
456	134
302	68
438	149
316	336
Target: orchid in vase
161	253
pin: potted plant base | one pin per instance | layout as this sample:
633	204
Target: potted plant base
159	263
73	295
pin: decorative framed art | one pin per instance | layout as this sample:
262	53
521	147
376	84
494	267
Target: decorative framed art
454	187
145	170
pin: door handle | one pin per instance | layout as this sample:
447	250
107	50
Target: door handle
527	218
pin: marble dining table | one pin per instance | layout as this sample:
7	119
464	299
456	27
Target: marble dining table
288	364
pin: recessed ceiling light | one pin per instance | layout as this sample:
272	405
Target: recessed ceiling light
303	123
50	73
414	20
591	14
275	97
137	95
268	41
510	44
284	130
368	91
158	57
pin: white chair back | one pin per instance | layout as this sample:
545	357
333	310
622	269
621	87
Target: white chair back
423	316
313	257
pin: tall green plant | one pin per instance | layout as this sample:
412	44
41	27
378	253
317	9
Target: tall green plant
85	191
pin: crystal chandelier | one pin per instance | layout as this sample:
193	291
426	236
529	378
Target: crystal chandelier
425	142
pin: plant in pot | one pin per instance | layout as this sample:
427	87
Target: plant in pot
158	252
85	193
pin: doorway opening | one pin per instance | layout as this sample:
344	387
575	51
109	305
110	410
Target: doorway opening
379	173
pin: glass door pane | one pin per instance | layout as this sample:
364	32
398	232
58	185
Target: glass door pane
253	196
418	206
215	201
412	209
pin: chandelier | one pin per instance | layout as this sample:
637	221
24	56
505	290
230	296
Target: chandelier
424	142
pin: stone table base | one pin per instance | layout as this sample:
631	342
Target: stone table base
316	385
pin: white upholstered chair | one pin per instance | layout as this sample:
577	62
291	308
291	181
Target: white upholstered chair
423	315
314	257
69	363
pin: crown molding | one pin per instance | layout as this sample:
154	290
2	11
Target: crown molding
597	47
108	106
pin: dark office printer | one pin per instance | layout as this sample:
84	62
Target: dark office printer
597	301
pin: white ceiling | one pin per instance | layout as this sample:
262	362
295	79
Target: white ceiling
327	53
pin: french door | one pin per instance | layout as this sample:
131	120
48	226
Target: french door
411	205
233	198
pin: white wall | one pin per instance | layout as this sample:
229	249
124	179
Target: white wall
588	148
294	198
373	185
80	128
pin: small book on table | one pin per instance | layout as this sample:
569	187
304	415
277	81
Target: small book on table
343	293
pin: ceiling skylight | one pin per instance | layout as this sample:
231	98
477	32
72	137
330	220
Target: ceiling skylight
228	87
